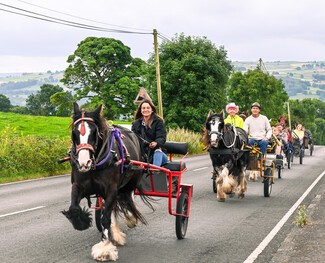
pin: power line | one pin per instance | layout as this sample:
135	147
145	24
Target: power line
62	21
86	19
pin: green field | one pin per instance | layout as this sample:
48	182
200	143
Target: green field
36	125
48	126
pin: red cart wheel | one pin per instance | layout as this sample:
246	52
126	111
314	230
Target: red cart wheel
182	221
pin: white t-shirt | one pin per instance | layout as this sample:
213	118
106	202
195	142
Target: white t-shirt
258	128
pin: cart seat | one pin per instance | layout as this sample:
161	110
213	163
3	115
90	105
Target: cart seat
175	166
175	148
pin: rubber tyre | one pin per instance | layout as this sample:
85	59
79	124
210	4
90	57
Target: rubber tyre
301	155
98	215
181	221
214	187
267	182
311	149
289	157
280	171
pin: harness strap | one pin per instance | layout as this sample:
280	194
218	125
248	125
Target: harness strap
84	146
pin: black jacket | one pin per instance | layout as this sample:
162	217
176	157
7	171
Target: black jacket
156	133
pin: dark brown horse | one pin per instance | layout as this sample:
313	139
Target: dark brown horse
229	159
100	160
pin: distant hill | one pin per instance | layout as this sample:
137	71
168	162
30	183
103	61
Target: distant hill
301	79
18	86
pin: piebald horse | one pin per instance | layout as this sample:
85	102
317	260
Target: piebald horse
100	159
225	144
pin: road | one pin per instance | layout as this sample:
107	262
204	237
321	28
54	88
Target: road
32	229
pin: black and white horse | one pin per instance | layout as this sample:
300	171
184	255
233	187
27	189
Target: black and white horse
100	164
229	159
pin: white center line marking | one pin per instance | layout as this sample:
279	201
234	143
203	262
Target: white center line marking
22	211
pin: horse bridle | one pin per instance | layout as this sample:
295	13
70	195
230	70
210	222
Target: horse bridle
86	146
220	135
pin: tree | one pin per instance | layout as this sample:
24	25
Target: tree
194	75
63	103
103	71
39	103
5	104
255	85
311	113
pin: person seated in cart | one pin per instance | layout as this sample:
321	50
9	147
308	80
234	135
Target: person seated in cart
282	136
258	128
298	133
151	130
233	118
308	135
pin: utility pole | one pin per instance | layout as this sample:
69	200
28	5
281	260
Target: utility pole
155	41
289	119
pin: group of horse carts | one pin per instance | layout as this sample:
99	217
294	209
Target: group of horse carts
107	166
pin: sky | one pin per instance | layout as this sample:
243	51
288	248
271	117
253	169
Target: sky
274	30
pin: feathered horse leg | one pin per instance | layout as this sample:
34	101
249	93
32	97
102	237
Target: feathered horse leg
105	250
79	218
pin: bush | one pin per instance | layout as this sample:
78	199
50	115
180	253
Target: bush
194	140
25	157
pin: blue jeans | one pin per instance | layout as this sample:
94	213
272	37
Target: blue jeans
159	158
260	143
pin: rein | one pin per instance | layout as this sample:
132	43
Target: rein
233	143
115	135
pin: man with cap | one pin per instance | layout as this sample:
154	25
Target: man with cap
232	118
258	128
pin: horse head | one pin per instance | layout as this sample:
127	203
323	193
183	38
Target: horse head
85	136
213	127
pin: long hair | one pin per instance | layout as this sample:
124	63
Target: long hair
154	115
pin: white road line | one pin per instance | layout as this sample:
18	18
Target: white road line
199	169
251	258
22	211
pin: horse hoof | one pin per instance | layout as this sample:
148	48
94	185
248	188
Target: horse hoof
221	199
241	196
232	195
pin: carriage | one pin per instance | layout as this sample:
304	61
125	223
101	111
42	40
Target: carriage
308	143
165	182
107	164
298	149
266	166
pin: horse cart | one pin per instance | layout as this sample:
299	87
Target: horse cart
107	164
266	166
165	182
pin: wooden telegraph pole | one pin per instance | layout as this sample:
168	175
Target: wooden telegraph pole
155	41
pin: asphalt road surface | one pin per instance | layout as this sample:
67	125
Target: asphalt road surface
32	229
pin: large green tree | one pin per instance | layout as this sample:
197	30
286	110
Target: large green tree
40	104
103	71
194	75
311	113
256	85
5	104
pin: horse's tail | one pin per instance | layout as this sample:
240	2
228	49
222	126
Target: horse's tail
126	206
126	203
